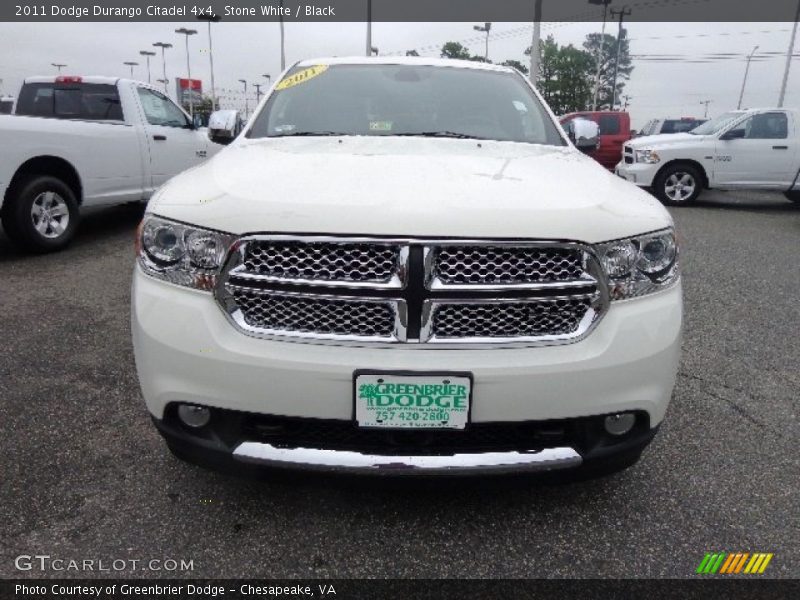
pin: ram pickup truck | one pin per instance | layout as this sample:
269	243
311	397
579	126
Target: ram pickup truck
76	142
738	150
400	266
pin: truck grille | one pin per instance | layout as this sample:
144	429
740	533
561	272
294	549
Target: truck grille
356	290
322	261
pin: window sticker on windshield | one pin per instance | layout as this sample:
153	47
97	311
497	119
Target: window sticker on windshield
301	77
284	128
380	125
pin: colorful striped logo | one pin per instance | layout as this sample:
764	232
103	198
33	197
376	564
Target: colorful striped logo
733	563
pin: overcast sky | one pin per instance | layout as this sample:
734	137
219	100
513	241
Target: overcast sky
248	50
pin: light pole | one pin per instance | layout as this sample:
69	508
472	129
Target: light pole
211	19
744	81
163	81
131	65
268	77
58	66
283	47
620	34
600	48
163	47
187	33
246	107
487	27
789	52
369	27
258	91
535	55
705	112
147	54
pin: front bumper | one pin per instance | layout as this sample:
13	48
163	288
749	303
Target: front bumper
642	174
187	351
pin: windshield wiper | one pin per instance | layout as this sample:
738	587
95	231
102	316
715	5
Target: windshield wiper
309	133
445	134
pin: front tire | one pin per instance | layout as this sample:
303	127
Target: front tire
678	185
41	214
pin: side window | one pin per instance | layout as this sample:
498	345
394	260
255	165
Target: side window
160	110
766	126
609	124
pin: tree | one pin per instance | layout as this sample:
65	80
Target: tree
608	59
564	77
455	50
412	53
515	64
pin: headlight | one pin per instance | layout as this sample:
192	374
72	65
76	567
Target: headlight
647	156
181	254
640	265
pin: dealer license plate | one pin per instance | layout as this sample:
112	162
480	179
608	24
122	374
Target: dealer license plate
413	401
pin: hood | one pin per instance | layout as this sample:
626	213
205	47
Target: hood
408	187
665	139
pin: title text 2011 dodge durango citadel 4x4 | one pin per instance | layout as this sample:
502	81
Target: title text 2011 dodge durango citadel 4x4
404	266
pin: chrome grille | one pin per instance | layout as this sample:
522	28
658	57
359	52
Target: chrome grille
315	261
326	316
538	318
475	265
433	293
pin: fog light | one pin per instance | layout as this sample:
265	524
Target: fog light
194	416
620	424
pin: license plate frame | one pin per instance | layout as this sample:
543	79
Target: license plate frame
361	411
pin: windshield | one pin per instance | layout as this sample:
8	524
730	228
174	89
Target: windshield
407	100
714	125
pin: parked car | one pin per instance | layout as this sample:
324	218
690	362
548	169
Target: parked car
403	265
6	105
615	130
682	125
76	142
743	149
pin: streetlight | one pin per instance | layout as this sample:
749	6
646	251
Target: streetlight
706	102
283	47
369	27
163	47
268	77
744	81
246	108
533	74
58	66
258	90
600	48
487	27
789	52
373	50
211	19
187	33
131	65
147	54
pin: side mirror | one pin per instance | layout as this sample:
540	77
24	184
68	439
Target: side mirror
733	134
585	134
223	126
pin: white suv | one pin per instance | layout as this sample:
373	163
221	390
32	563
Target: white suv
403	265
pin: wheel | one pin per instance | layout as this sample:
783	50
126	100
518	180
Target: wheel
793	196
678	185
42	214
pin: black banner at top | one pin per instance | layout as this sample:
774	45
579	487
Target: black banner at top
396	10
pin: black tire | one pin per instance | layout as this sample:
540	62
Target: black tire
792	196
678	184
57	209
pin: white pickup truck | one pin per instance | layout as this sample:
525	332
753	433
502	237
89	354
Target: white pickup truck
76	142
747	149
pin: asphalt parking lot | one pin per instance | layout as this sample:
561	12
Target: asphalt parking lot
85	475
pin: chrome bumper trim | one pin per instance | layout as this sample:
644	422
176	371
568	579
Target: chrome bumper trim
347	461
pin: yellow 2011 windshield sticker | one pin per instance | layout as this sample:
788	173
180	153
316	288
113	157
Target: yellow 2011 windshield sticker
301	77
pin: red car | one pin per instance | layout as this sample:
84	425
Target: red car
615	130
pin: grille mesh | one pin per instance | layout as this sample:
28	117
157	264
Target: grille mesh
359	262
464	265
315	315
509	320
